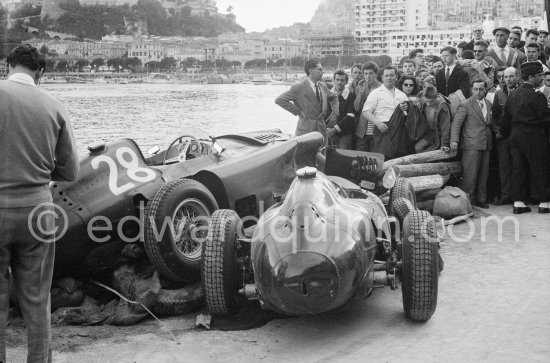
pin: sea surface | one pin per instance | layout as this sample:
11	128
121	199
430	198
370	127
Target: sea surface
155	114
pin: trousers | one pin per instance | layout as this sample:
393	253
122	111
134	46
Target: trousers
475	172
530	159
26	246
505	168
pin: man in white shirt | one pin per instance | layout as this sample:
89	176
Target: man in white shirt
381	104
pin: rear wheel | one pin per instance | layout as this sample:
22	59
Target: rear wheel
402	199
221	276
420	268
176	221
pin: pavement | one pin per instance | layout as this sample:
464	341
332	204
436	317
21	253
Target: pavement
494	303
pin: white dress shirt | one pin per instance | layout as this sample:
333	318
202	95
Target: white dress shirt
382	102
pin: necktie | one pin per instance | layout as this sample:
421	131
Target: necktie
502	56
317	93
447	73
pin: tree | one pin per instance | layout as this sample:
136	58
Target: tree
152	65
62	66
44	50
50	64
115	63
132	63
167	63
382	60
81	63
96	63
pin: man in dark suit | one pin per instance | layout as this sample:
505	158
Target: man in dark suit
471	128
502	53
502	138
453	77
342	131
527	118
310	101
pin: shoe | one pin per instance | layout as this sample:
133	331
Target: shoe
483	205
521	210
543	210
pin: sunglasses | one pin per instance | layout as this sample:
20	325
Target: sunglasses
408	85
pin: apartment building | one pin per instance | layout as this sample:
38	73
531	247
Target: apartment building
284	49
376	20
324	45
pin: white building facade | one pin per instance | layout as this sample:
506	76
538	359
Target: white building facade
376	20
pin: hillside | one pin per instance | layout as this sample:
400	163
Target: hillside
339	13
147	16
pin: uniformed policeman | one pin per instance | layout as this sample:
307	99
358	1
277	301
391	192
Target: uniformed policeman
527	116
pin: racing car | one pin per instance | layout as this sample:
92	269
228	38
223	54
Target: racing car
329	242
163	200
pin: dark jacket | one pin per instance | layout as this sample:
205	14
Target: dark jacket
526	106
399	140
346	118
438	134
501	97
458	80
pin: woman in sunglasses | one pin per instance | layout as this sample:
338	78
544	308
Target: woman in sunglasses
409	86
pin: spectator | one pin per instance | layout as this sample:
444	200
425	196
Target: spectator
36	147
532	51
514	40
417	56
477	35
460	49
502	138
421	75
500	77
379	108
531	37
409	86
543	35
527	118
472	127
356	77
519	30
502	53
364	129
453	77
408	67
437	65
435	118
342	131
310	101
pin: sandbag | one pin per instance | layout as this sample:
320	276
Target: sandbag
452	202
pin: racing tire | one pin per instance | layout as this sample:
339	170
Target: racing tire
420	266
402	199
220	270
174	245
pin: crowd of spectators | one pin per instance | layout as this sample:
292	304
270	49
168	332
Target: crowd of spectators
455	100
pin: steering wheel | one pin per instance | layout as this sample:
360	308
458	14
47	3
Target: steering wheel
188	146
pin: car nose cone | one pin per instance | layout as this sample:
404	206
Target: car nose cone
305	282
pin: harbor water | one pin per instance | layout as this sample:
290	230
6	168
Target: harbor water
155	114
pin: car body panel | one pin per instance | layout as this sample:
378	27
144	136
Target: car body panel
312	252
116	182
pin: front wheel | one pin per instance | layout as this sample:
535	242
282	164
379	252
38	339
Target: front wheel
402	199
176	221
221	276
420	269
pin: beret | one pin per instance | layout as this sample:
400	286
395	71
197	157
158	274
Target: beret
544	32
504	29
530	68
